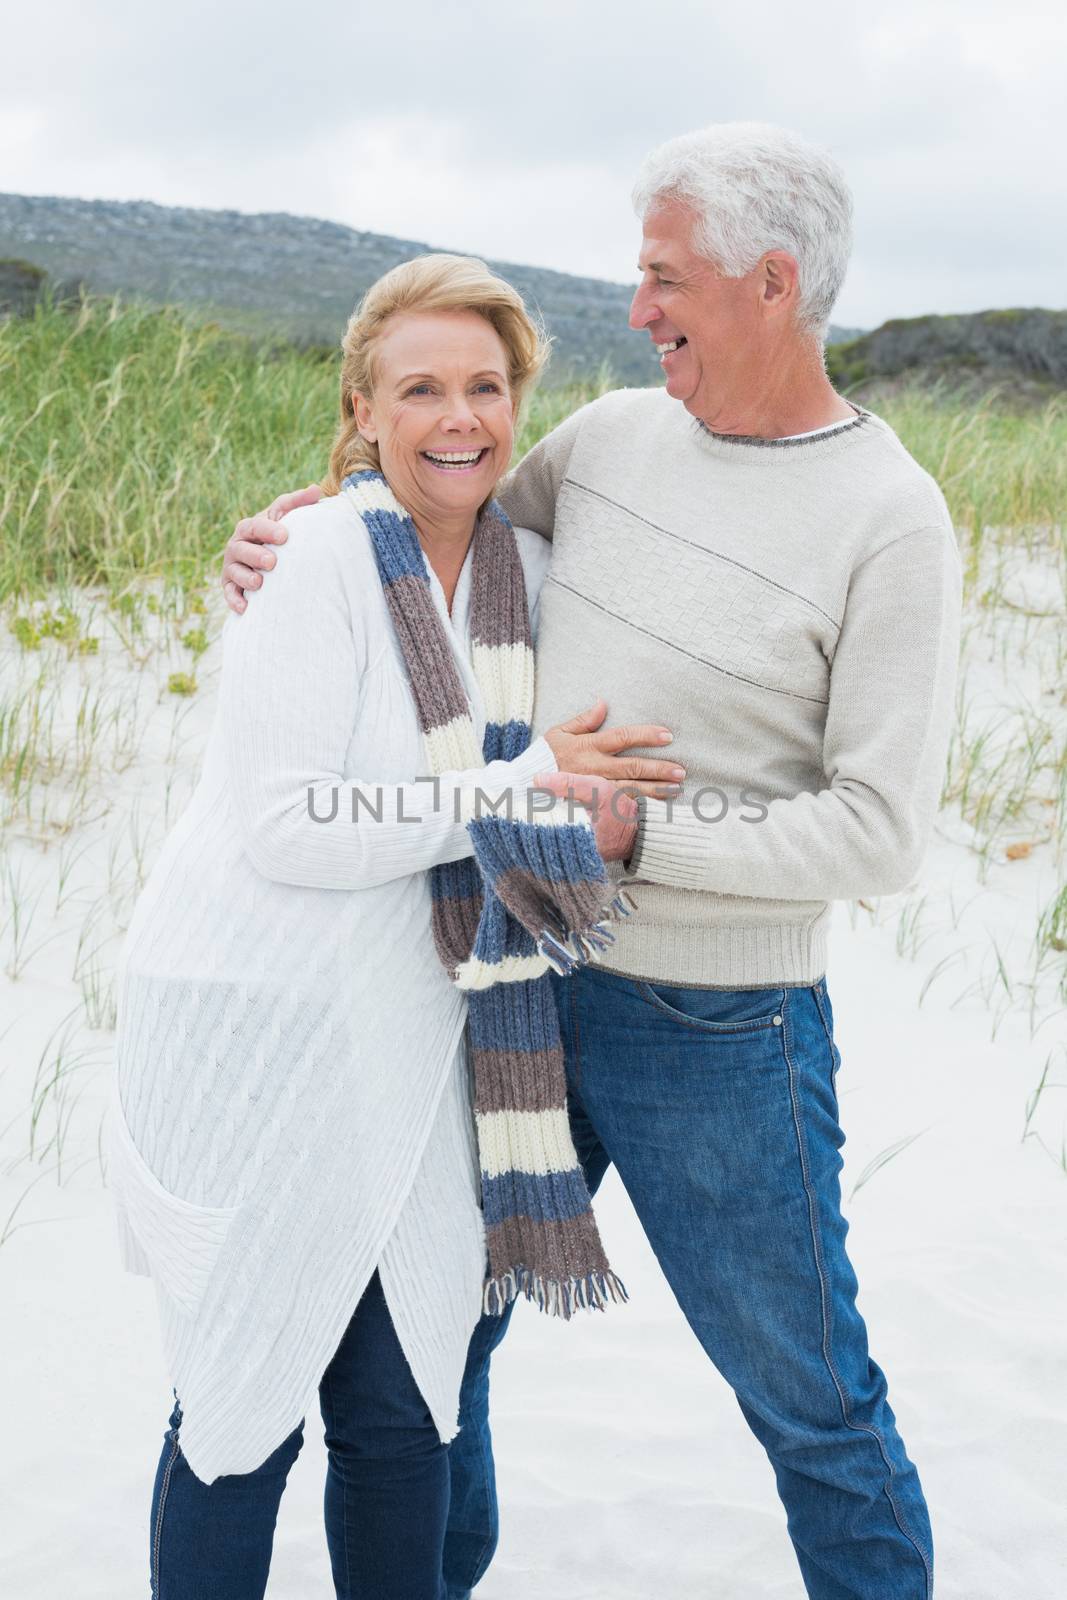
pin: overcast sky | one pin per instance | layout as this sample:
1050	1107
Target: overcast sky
514	129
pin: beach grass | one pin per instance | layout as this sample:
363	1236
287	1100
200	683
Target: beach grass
128	435
131	437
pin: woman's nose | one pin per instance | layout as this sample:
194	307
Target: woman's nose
461	415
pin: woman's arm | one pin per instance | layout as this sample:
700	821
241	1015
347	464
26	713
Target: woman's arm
289	694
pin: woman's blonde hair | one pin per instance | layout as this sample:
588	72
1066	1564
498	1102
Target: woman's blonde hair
428	283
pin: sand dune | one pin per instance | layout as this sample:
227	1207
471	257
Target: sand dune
626	1471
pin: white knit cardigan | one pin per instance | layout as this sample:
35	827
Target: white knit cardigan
290	1107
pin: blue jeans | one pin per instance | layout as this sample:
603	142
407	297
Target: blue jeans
386	1497
719	1109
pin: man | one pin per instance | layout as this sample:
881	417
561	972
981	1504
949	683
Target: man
759	565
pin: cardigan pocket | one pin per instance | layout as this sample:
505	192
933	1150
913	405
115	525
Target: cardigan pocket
164	1236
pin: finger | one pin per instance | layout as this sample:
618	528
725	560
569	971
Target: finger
256	556
296	497
642	735
234	598
260	530
558	782
586	721
568	784
626	769
241	577
621	807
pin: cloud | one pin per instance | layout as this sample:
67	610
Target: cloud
514	129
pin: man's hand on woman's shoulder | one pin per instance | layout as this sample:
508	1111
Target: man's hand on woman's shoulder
247	555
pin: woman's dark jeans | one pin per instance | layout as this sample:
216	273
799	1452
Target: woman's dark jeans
386	1499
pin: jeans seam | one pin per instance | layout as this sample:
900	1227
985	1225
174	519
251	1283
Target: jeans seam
163	1488
835	1054
490	1537
339	1465
827	1322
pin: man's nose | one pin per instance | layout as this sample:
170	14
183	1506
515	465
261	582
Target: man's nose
643	309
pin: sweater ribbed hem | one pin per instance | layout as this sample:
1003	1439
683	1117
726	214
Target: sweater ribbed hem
719	955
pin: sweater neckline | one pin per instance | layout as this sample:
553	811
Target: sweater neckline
745	444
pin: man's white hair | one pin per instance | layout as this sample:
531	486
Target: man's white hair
754	188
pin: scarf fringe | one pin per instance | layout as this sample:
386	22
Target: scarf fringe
566	950
553	1296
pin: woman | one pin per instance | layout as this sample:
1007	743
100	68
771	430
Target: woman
293	1155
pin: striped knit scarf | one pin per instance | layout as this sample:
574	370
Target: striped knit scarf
532	896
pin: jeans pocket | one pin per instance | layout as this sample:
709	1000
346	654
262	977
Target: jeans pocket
725	1011
179	1241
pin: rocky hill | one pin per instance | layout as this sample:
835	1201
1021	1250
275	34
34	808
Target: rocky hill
1024	347
20	285
291	276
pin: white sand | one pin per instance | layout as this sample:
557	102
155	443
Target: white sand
625	1469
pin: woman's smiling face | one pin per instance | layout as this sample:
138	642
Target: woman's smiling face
442	413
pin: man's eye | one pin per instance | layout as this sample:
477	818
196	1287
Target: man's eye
664	283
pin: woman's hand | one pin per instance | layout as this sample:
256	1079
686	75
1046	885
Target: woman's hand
244	557
582	747
613	812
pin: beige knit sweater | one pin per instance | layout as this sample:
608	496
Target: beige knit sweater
791	610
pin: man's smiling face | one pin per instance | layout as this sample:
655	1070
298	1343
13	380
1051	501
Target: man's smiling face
707	328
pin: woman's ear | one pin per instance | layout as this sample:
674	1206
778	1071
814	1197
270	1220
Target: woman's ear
364	415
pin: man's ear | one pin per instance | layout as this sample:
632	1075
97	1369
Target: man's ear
364	415
780	281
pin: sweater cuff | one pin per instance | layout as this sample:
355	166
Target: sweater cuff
536	758
666	850
633	860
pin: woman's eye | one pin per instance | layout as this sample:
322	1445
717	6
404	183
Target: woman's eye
427	388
